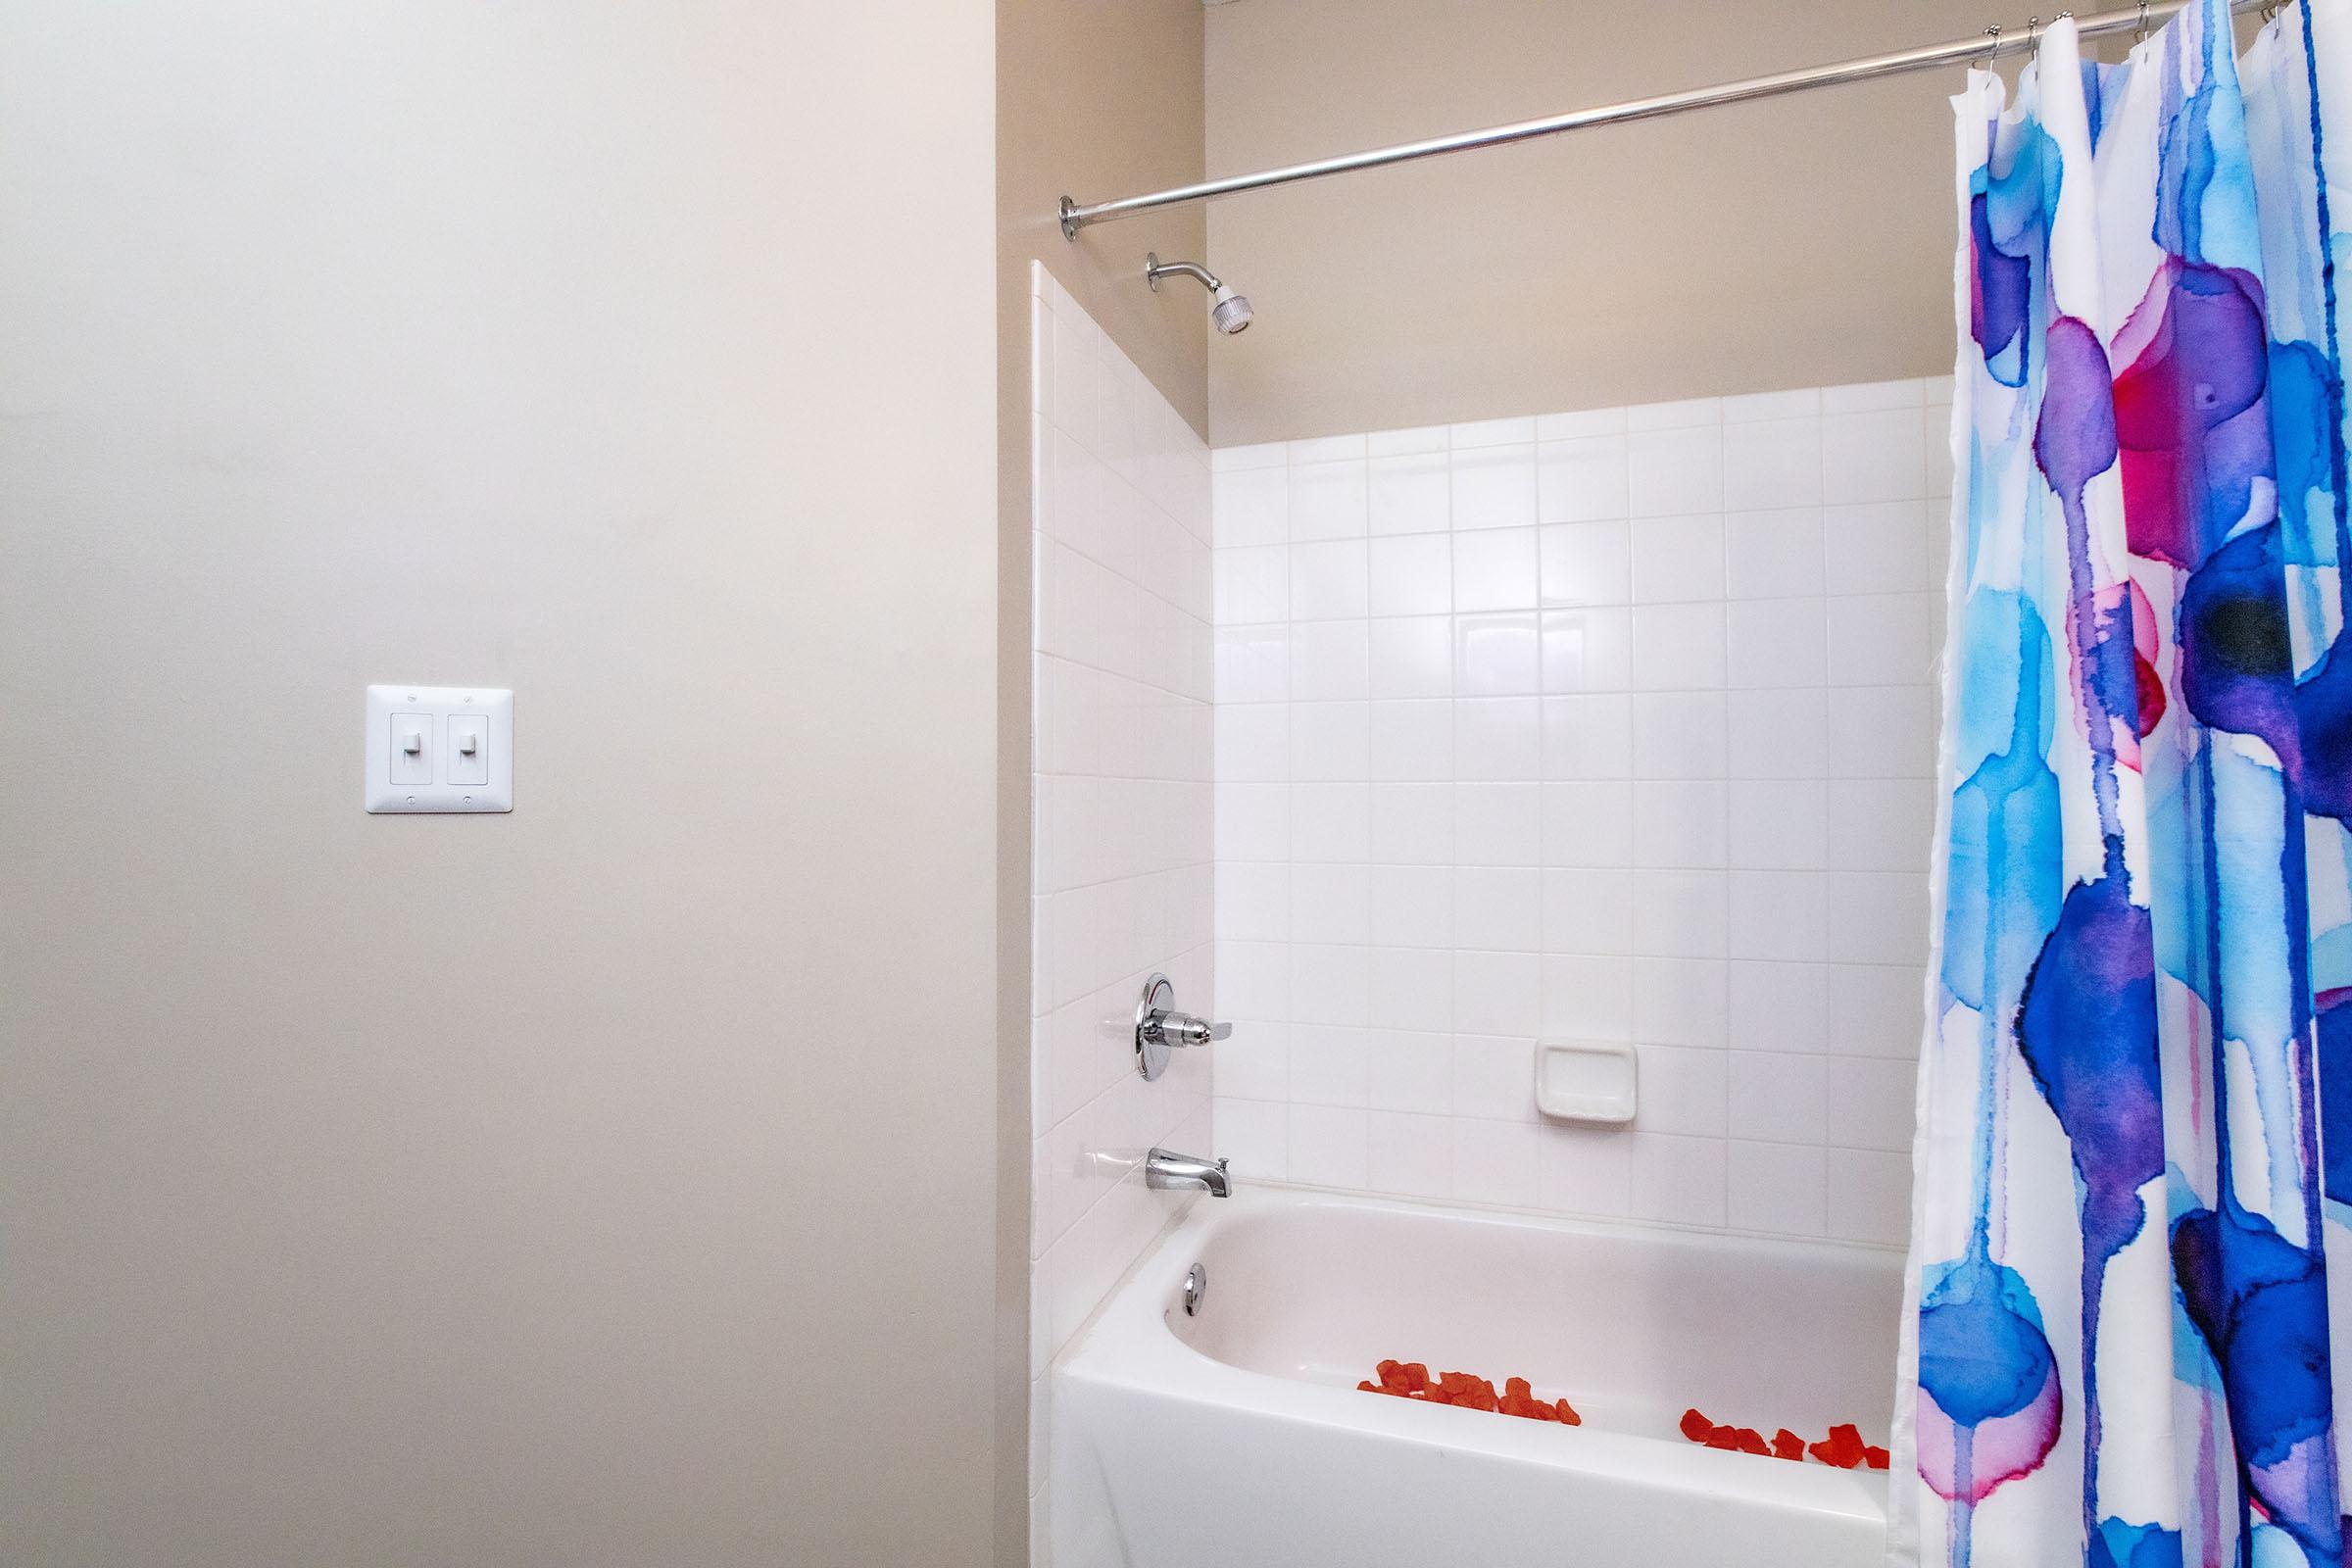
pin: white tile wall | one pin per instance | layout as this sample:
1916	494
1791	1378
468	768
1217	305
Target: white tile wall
1608	725
1123	845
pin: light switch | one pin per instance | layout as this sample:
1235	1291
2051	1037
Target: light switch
412	749
469	756
439	749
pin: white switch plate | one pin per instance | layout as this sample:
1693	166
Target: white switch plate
439	775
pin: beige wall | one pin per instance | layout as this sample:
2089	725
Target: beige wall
1796	242
1098	100
1090	96
590	1185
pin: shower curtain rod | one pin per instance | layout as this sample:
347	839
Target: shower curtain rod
1985	45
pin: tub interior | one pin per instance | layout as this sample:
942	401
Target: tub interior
1632	1325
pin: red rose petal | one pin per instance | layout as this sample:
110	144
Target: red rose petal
1843	1447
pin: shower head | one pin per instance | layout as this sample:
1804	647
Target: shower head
1229	313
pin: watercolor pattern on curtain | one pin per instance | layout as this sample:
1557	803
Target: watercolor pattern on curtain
2119	1347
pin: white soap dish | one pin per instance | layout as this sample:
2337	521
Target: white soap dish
1586	1082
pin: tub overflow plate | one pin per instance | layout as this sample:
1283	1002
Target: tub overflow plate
1196	1286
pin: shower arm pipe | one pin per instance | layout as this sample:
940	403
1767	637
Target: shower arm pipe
1983	46
1192	269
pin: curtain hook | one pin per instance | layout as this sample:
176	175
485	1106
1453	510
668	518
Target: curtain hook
2033	30
1993	51
2141	36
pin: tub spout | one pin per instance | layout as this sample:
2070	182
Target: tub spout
1169	1171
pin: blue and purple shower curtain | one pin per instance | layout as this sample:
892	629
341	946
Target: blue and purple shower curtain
2135	1097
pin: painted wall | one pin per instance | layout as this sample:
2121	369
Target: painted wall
1603	726
1090	98
1799	242
1095	101
594	1183
1123	872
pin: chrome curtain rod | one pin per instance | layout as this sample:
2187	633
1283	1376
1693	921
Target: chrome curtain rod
1984	46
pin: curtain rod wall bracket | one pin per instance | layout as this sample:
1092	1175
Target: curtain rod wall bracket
1076	216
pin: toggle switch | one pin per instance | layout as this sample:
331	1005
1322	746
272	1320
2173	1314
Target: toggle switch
469	749
412	749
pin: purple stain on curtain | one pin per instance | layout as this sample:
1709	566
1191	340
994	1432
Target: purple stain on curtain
2074	437
2324	735
2187	410
2260	1303
1999	288
2237	670
2087	1032
2335	1109
2073	443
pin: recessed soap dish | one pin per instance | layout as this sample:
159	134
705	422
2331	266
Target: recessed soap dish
1585	1082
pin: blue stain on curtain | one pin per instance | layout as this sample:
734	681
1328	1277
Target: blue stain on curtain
2122	1353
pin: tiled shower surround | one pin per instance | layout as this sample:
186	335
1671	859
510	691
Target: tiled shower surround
1615	726
1122	847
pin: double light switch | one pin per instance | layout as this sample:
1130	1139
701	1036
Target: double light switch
440	748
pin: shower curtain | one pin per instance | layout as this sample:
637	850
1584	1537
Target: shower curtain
2135	1096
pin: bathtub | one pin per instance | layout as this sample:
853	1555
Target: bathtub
1237	1438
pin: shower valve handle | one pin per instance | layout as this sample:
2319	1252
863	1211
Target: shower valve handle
1160	1027
1183	1029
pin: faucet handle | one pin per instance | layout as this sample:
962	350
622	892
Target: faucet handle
1183	1029
1160	1027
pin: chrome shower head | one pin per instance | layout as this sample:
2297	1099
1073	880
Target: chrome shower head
1229	313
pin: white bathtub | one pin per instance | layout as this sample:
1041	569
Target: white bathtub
1237	1438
